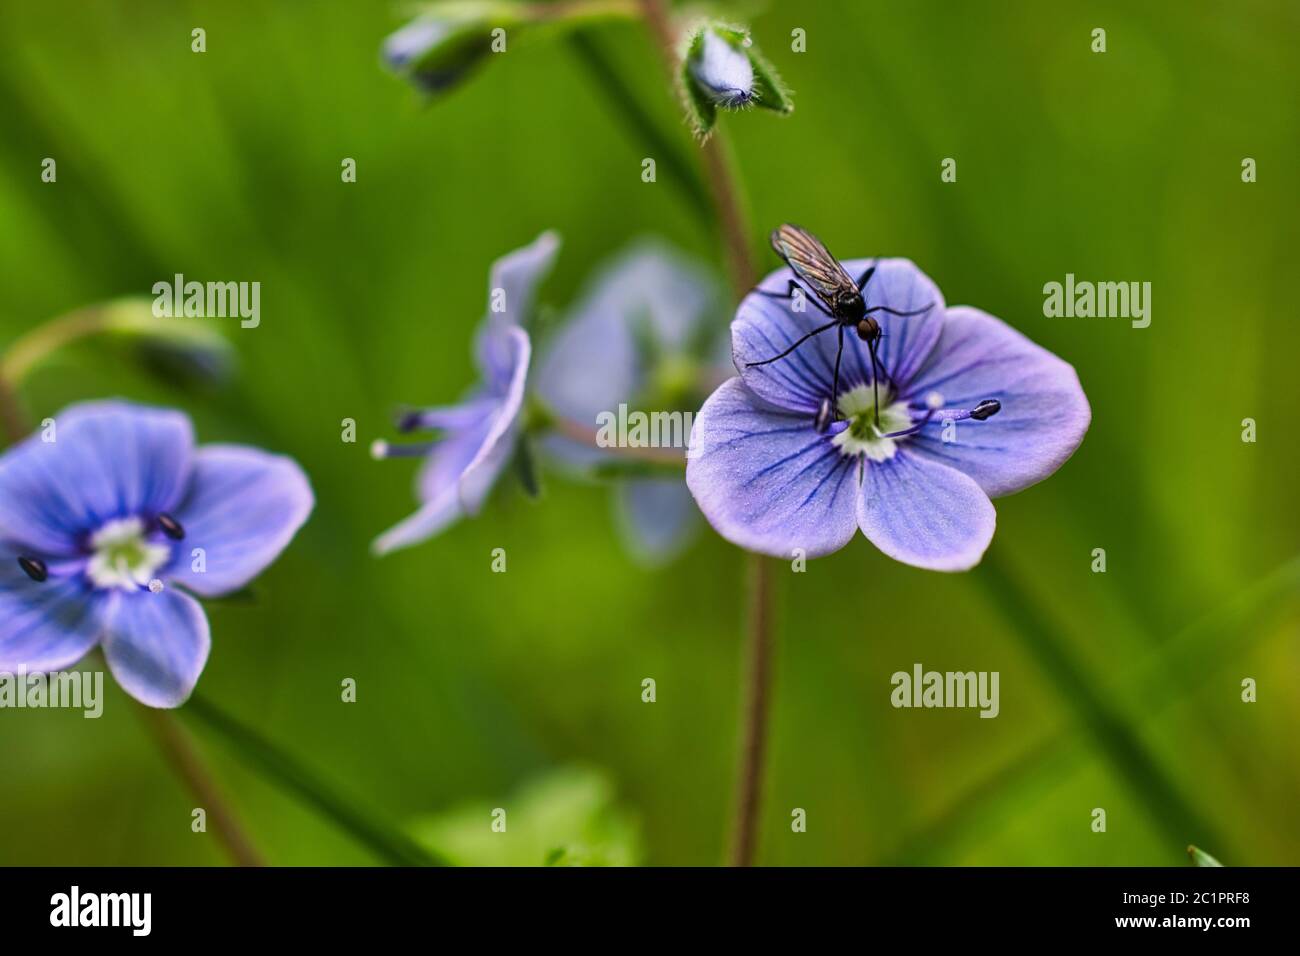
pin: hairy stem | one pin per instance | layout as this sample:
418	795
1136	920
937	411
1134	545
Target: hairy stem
734	226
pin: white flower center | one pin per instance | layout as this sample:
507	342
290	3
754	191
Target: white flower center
864	436
123	558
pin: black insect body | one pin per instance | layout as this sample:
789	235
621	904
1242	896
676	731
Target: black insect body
838	296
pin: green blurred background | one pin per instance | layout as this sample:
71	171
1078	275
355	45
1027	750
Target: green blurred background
1117	166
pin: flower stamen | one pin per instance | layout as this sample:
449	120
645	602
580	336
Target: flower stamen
171	527
124	556
380	449
34	568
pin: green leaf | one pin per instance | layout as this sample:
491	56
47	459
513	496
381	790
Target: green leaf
387	842
569	817
771	93
700	109
1201	858
1166	804
526	468
450	39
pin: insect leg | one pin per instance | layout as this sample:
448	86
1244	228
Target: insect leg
835	382
801	341
866	277
888	311
875	383
789	294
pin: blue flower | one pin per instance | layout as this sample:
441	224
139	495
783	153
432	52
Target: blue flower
111	520
478	434
917	475
642	335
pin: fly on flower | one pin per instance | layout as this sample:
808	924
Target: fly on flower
839	297
970	410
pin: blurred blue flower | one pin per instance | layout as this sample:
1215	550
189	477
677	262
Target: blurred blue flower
642	335
102	512
435	52
917	483
478	435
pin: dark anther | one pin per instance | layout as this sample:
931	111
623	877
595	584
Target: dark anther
823	419
34	568
986	409
409	421
171	527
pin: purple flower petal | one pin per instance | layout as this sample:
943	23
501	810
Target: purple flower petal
481	473
243	507
438	488
925	514
765	327
156	645
464	415
1044	412
432	517
517	274
47	626
108	460
766	480
658	517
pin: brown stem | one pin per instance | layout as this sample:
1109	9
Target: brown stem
179	749
717	164
758	693
735	235
13	422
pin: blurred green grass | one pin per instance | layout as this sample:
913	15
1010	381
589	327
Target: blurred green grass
1122	166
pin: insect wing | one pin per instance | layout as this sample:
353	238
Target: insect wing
811	261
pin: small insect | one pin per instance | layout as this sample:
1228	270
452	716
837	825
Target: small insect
838	296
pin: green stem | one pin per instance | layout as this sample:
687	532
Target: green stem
387	843
1203	641
628	110
31	349
1153	788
